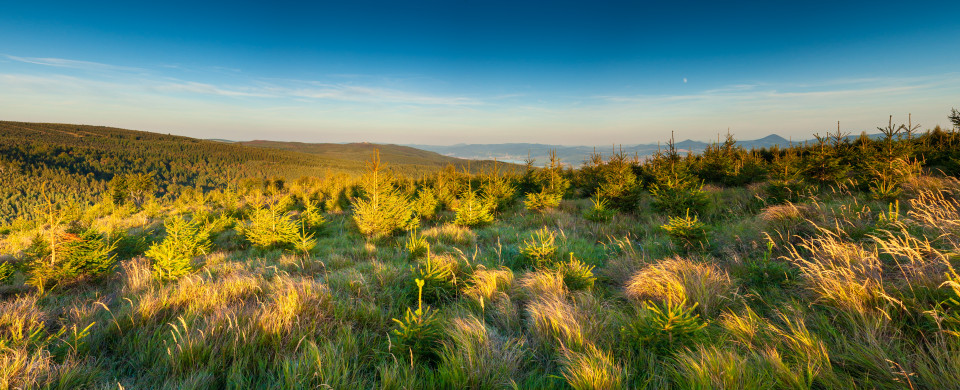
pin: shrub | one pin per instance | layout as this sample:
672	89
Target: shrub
270	228
498	192
6	271
618	184
438	276
426	204
472	212
577	275
686	233
767	273
540	249
599	212
304	242
419	333
68	257
417	246
383	210
184	240
312	218
663	327
543	200
674	188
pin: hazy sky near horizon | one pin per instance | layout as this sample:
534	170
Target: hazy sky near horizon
443	72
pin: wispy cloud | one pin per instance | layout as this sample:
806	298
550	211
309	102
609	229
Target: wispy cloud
311	90
73	64
219	102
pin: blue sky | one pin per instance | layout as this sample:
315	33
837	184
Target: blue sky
444	72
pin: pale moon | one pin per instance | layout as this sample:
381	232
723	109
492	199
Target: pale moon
684	80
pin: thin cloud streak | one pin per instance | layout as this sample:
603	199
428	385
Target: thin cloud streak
315	110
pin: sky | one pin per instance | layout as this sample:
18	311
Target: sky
464	71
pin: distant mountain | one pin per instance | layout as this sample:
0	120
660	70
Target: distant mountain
576	155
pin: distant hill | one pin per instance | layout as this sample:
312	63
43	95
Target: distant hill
575	155
396	155
76	162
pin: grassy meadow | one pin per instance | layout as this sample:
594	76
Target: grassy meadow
830	265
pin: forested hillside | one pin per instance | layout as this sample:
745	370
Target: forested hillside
390	154
77	162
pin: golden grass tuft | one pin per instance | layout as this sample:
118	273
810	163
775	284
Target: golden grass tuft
294	302
784	214
591	369
677	279
451	234
553	323
489	284
841	274
476	356
543	283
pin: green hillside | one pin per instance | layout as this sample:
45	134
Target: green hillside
395	155
391	154
76	162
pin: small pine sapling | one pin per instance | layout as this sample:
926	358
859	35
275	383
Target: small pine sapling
577	275
439	276
417	245
686	232
6	271
540	249
418	333
184	240
599	211
383	210
663	328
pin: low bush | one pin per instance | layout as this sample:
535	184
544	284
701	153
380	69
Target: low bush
687	233
419	333
543	200
540	249
577	275
67	257
184	240
663	327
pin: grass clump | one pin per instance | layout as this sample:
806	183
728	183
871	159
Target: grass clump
591	369
715	368
184	240
477	356
683	280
